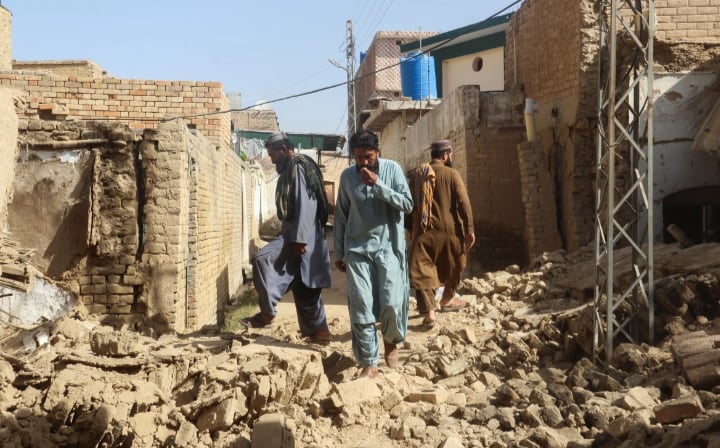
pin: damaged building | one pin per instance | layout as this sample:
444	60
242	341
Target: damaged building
539	195
138	214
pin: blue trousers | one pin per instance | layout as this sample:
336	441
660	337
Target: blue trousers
378	291
276	270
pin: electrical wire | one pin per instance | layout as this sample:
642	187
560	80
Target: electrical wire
344	83
377	22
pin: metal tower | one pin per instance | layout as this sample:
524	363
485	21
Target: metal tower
624	178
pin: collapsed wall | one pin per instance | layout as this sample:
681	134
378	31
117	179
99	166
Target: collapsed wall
133	226
552	58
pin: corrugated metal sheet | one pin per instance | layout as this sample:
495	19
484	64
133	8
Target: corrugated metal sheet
324	142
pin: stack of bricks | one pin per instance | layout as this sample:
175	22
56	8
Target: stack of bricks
108	287
137	103
541	230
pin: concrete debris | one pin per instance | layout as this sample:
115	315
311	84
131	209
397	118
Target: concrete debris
512	369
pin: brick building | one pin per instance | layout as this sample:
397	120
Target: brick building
530	197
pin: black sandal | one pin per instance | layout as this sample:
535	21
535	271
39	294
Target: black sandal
257	321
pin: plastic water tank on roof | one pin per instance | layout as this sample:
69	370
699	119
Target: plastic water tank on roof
417	76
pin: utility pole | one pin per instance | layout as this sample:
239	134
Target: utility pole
350	71
350	54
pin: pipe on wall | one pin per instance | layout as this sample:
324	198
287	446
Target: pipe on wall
531	108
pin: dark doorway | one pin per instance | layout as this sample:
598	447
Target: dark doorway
696	211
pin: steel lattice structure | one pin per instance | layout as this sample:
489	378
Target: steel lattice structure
624	178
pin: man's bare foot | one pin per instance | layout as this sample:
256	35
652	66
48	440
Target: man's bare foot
369	372
391	355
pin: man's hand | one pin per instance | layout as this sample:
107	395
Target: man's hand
340	265
469	240
299	248
367	176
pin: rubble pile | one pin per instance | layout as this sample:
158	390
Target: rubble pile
506	371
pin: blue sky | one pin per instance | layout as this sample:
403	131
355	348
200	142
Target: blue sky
263	49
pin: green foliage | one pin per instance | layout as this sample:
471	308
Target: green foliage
244	304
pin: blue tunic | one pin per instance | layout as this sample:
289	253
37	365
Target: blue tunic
369	236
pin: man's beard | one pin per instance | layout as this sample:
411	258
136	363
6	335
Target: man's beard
374	167
448	163
281	165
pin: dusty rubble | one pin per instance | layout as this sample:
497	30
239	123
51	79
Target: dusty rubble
511	370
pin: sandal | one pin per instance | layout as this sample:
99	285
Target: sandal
453	305
257	321
428	323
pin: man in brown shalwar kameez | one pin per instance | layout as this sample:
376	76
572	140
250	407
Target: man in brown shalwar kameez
442	232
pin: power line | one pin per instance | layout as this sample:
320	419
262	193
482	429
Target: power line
344	83
378	21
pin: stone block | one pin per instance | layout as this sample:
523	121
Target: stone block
638	398
271	431
434	396
218	417
352	392
678	409
115	343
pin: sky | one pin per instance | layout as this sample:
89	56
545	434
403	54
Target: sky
265	49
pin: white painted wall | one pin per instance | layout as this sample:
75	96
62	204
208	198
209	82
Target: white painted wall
459	71
682	102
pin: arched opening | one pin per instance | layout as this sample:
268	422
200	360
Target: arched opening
696	211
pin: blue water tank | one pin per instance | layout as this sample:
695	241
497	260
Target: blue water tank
417	75
362	56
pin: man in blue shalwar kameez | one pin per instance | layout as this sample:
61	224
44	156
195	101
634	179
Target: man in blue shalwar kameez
298	258
369	243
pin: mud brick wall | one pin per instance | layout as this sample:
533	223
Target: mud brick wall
480	127
8	148
255	120
82	68
138	103
552	49
544	47
219	204
688	21
493	180
193	219
5	39
77	185
541	232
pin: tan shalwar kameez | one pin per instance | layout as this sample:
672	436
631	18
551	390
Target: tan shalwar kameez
438	255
